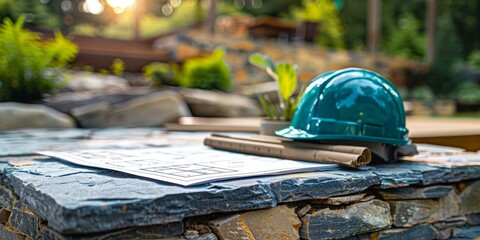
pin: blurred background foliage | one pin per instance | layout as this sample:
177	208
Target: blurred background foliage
341	25
342	22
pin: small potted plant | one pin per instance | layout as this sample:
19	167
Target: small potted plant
285	75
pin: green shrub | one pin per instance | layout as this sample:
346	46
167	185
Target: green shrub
30	67
118	67
160	74
211	72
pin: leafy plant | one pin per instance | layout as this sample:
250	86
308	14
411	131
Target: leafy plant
210	72
30	67
160	74
285	75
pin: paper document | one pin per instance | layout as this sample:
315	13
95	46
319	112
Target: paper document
443	155
186	165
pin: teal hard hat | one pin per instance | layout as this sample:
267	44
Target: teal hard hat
350	104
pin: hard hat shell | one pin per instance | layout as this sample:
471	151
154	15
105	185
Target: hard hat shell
349	104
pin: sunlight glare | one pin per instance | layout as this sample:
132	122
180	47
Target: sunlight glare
93	6
120	5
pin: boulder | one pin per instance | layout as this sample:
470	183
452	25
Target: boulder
205	103
151	110
19	115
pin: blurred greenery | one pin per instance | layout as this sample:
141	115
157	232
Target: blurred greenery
469	93
444	78
407	41
30	66
285	76
343	24
118	67
161	74
474	59
210	72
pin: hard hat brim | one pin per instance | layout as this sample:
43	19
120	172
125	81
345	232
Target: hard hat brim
296	134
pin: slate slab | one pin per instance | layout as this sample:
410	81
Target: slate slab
446	229
468	233
406	213
352	220
470	197
404	174
137	233
473	219
25	221
280	222
9	234
4	216
7	198
415	192
76	199
232	227
417	232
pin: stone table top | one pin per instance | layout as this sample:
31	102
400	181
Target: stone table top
75	199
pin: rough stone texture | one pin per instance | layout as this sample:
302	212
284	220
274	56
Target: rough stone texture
417	232
25	221
303	210
415	192
7	198
470	198
343	200
405	174
204	103
446	229
280	222
138	233
4	216
473	219
7	233
468	233
151	110
19	115
232	227
312	59
94	200
78	200
406	213
340	223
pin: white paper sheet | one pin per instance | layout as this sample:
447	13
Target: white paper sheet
186	165
443	155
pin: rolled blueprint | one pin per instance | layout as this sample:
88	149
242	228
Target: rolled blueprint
339	154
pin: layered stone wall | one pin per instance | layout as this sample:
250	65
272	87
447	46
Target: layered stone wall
43	198
311	60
